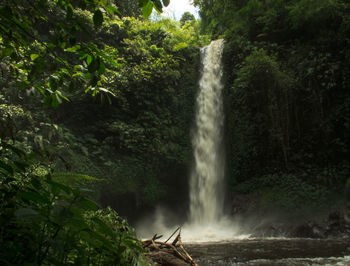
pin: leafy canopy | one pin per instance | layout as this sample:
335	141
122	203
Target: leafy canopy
43	45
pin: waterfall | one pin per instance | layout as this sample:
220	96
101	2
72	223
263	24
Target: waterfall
207	221
206	183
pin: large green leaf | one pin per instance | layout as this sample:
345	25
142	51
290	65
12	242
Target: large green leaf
88	204
94	65
58	187
69	11
19	152
158	5
142	3
91	238
73	177
73	49
78	223
34	56
35	197
102	227
112	10
166	2
6	167
102	68
147	9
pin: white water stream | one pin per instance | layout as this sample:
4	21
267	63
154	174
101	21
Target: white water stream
206	218
206	184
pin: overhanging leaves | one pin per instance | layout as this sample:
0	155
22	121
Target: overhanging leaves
35	197
166	2
147	9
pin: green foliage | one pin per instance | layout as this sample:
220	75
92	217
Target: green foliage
288	193
260	113
148	5
41	37
42	44
312	14
277	20
135	141
187	16
128	8
60	225
49	218
272	102
146	71
286	96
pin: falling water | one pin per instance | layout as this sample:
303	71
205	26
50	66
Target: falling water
207	221
206	193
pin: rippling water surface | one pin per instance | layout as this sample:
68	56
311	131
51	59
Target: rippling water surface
272	252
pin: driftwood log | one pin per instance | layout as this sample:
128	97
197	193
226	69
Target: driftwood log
171	254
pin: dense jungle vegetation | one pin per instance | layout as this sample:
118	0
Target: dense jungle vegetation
287	98
97	105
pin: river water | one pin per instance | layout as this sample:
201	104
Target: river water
269	251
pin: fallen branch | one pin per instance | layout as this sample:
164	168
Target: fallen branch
175	248
184	250
176	239
173	234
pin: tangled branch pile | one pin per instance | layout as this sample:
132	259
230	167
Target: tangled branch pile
165	253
